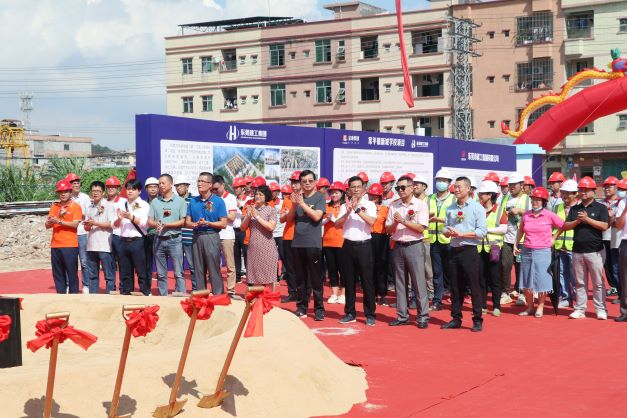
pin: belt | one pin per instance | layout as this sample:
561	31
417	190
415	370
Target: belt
130	239
407	243
204	232
167	237
366	241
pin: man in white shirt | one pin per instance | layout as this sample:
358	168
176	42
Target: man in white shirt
133	224
98	222
227	235
83	200
356	218
407	219
620	223
118	202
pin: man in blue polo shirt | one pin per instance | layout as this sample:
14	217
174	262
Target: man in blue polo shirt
167	216
206	214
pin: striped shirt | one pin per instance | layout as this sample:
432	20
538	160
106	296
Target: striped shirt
187	234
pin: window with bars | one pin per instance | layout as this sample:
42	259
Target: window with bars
370	89
622	24
537	74
187	65
277	94
277	55
534	116
369	47
206	64
426	41
188	104
207	103
580	25
323	50
535	28
575	66
323	91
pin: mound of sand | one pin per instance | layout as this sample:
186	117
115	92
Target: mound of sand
286	373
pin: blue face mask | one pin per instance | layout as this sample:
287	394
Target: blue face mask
441	186
536	210
621	194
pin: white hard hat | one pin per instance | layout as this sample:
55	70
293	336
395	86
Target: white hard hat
444	174
150	181
473	182
181	180
488	187
420	179
515	178
569	186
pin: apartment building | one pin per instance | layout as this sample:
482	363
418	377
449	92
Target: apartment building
341	73
529	48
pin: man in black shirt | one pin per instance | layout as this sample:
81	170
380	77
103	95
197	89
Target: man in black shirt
308	207
589	219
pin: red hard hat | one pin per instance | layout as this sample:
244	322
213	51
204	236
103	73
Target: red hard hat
295	176
492	176
248	179
64	185
410	175
541	193
338	185
112	181
529	181
375	189
346	186
386	177
363	176
451	188
587	183
622	184
556	176
72	177
323	182
504	182
610	181
258	182
238	182
287	189
274	187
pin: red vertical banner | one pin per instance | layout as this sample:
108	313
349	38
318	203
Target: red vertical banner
408	95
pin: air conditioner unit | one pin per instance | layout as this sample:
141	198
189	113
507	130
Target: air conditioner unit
341	95
340	52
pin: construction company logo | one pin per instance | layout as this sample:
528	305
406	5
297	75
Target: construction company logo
350	139
477	156
245	133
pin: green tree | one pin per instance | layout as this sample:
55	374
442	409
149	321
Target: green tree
97	149
57	168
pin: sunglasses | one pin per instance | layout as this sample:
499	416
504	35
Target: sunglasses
401	188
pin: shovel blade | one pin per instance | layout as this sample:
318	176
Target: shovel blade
123	416
211	401
168	411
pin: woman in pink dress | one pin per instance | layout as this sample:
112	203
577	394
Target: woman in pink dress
263	257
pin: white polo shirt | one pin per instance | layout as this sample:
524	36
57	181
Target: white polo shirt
117	203
139	208
416	211
230	201
99	239
355	228
84	201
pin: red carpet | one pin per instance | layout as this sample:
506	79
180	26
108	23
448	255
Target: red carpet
518	366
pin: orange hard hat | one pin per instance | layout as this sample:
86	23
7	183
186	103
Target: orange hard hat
610	181
287	189
410	175
274	187
323	182
622	184
72	177
258	182
238	182
375	189
338	185
248	179
503	182
363	176
492	176
529	181
295	175
112	181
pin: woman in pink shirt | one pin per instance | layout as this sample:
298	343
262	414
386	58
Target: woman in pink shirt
537	225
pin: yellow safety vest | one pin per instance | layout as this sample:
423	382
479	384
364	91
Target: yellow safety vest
425	233
492	221
565	240
436	228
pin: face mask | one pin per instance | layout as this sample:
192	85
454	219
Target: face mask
441	186
621	194
536	210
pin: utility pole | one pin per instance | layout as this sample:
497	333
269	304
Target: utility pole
26	106
462	44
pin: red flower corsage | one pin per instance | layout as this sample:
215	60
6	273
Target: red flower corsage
460	216
166	212
100	210
209	205
410	213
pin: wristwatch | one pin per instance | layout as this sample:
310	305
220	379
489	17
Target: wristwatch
357	210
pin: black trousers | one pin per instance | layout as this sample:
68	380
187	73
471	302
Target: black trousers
239	249
133	259
332	256
149	241
279	247
490	280
65	269
356	261
463	271
288	263
307	263
381	256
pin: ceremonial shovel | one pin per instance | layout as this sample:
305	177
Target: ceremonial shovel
52	368
175	406
118	381
211	401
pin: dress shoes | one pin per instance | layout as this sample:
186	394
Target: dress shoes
397	323
451	325
476	326
423	324
622	318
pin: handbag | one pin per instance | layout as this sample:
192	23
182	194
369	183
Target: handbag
495	253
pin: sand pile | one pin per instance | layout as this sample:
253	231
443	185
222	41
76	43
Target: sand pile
286	373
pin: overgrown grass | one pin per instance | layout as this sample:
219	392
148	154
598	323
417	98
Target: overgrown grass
19	184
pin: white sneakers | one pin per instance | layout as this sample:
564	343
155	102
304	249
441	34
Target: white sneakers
521	301
341	299
577	315
333	299
85	290
505	299
602	315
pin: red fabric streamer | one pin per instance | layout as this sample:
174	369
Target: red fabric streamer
20	301
266	300
49	329
5	327
408	94
132	175
143	321
204	305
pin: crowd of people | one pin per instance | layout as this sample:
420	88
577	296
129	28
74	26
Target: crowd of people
461	242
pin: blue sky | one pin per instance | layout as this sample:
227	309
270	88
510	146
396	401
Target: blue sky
93	64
